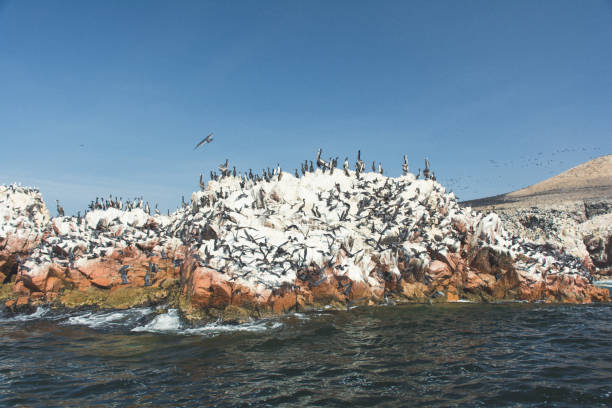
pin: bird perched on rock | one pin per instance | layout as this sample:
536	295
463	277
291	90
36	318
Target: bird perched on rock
360	164
405	167
426	170
321	164
223	168
60	209
207	139
123	272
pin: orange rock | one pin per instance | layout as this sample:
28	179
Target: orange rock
414	290
451	294
102	273
438	270
22	301
20	289
37	296
283	302
78	279
35	281
489	280
209	288
53	284
50	296
326	292
361	290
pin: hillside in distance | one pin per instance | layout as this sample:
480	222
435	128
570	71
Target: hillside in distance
591	180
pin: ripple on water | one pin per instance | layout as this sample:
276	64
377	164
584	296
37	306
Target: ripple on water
451	355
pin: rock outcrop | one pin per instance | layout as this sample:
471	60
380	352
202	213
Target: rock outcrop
247	248
582	229
24	221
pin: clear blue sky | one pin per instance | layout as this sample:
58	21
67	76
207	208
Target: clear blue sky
100	97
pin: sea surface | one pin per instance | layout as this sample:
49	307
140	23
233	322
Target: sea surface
472	355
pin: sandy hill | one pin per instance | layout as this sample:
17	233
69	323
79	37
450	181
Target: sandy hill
588	181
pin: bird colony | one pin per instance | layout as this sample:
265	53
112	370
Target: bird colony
351	234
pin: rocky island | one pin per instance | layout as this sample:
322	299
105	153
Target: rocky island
252	246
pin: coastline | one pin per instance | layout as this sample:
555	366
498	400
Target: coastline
243	250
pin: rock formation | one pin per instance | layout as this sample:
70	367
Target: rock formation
571	211
248	248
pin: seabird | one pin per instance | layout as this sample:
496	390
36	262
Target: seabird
223	168
426	170
60	209
123	272
207	139
405	167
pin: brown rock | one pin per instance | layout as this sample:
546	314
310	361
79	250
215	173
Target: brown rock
209	288
491	262
53	284
22	301
438	270
102	273
459	225
21	289
452	294
414	290
283	302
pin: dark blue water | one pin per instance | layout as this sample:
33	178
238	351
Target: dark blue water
420	355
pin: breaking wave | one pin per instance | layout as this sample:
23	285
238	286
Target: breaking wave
122	318
39	313
170	322
143	320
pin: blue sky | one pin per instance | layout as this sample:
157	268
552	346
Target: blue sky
111	96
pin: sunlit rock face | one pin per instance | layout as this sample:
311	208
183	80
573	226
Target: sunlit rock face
24	219
580	228
245	249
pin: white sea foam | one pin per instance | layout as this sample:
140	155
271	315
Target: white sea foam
170	323
108	319
218	328
39	313
167	322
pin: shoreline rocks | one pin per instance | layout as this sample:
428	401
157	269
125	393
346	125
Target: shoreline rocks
246	248
580	228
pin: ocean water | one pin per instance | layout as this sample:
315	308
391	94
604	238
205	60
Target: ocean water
523	355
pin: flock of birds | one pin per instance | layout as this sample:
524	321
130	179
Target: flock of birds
267	230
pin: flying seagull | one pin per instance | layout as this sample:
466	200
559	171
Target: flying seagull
207	139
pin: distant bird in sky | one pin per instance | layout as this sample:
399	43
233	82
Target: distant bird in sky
207	139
